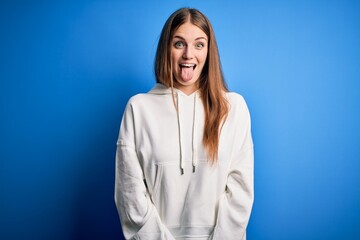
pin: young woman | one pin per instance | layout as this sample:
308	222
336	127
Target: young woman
184	161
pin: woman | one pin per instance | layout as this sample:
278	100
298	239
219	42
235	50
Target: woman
184	161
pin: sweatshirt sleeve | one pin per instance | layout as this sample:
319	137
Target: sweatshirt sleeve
138	215
236	202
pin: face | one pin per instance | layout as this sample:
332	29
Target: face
189	48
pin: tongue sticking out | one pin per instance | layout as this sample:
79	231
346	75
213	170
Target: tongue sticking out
187	73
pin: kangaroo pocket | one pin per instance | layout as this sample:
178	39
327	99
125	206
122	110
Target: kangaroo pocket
190	199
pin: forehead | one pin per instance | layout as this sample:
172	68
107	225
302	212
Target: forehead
189	31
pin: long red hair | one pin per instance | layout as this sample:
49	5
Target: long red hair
211	83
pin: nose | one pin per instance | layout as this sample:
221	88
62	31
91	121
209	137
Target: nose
188	53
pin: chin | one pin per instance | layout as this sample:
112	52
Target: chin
187	83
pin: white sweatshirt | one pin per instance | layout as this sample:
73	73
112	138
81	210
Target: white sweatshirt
165	188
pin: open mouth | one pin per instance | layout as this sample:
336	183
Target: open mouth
188	65
187	71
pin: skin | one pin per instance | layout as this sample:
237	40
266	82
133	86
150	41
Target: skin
189	46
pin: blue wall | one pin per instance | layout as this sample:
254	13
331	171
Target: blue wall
67	70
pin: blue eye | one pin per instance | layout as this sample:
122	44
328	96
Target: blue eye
179	44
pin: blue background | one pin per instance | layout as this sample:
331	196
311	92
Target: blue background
68	69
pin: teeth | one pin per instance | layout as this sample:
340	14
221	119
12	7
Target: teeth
188	65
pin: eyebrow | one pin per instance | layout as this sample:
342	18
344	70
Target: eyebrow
195	38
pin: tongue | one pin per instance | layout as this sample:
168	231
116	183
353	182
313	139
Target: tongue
187	73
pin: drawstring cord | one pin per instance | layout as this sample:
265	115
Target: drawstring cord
180	138
194	155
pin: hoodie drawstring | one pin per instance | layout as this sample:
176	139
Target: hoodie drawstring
194	154
180	138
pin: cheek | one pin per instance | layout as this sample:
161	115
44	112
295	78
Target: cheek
203	57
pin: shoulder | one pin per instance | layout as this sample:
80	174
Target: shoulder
236	100
135	102
137	99
157	92
238	109
144	100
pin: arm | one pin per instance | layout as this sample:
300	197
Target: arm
138	216
236	202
